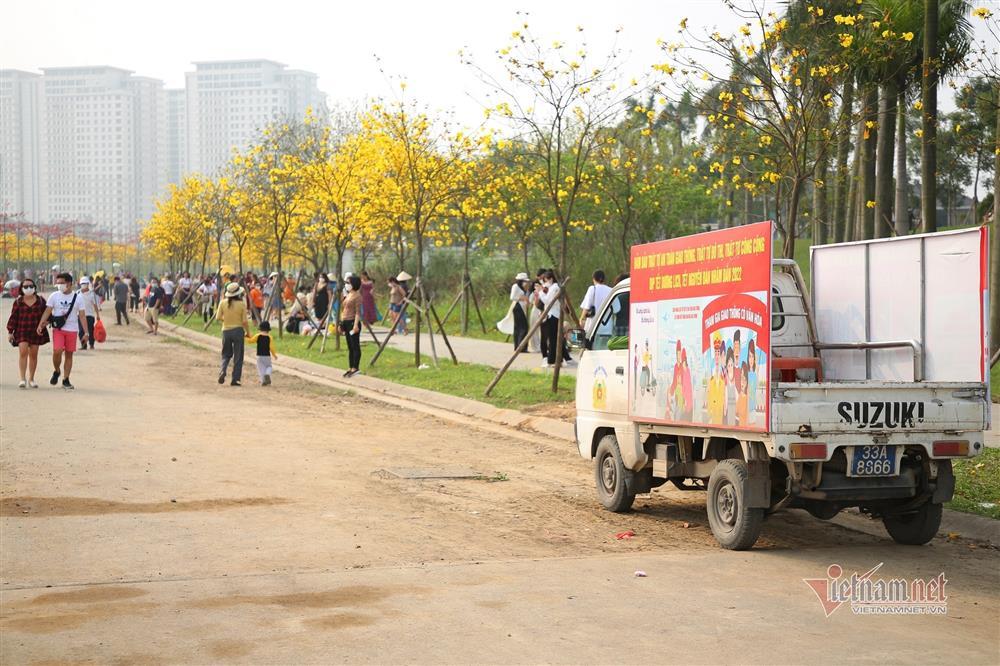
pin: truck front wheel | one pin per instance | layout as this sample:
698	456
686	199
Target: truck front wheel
735	525
916	528
609	473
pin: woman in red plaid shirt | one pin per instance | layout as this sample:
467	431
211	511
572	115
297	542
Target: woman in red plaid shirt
22	331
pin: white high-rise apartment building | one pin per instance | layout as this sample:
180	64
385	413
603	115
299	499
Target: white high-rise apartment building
228	102
19	168
102	147
99	145
176	134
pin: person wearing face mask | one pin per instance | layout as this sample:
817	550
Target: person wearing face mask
22	331
550	327
92	309
154	304
66	311
350	324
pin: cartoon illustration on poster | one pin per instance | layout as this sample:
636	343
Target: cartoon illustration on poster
700	329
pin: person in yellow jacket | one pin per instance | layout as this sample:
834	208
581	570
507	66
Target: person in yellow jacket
265	352
232	312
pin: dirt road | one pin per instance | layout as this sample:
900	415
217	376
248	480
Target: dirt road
153	516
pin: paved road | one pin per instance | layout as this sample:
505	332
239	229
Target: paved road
153	516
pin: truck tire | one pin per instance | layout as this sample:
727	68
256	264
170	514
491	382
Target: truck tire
735	525
916	528
609	475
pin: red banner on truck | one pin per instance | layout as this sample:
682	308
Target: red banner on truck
700	329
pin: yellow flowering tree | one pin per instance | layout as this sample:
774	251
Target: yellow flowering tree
420	159
776	86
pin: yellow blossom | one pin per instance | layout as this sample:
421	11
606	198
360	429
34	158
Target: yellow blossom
982	12
908	36
870	204
846	40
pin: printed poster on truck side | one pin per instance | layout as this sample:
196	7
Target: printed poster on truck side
700	329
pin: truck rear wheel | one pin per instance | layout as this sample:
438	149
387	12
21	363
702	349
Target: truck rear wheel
735	525
916	528
609	474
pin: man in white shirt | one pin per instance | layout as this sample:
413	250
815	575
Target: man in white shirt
63	302
92	310
168	294
596	294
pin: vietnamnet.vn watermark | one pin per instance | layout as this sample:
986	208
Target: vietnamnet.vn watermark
868	595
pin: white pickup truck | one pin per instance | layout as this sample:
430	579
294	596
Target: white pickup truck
858	395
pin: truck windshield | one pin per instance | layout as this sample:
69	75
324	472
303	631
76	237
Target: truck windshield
613	322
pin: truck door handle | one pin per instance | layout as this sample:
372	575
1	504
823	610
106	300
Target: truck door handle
620	370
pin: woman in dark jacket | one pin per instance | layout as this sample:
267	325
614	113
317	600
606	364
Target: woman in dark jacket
22	331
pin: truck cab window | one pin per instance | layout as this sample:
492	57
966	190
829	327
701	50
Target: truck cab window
777	321
613	322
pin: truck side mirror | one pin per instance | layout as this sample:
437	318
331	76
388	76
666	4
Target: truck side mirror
577	338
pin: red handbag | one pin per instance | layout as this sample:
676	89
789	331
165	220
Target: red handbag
100	333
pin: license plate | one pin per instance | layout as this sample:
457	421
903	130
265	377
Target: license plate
873	460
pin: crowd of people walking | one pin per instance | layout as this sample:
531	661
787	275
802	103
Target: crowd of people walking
71	314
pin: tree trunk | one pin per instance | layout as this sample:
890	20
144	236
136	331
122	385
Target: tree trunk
901	207
524	251
851	225
869	138
820	216
465	291
730	211
793	213
885	152
928	141
840	197
416	295
747	205
974	209
563	247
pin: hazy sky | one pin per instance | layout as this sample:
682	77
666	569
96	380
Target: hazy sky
337	40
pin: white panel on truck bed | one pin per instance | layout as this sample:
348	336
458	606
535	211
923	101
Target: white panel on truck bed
894	272
928	288
952	329
838	284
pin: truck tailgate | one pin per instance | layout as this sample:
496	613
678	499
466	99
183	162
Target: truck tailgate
851	407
